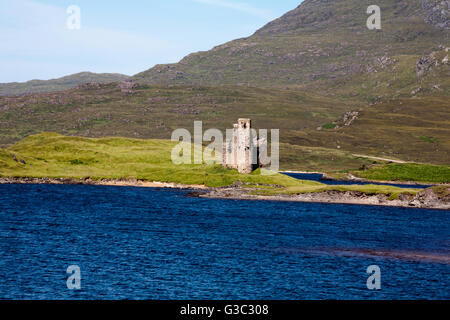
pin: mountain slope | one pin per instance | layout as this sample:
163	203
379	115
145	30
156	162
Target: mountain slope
59	84
317	74
320	43
145	111
410	129
415	129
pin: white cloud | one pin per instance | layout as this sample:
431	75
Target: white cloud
239	6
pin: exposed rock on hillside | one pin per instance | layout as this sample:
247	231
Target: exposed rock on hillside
127	86
350	117
325	45
435	59
88	85
437	13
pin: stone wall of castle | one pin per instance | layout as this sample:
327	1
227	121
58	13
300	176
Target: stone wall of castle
240	151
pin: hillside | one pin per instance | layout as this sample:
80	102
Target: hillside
326	45
52	156
332	87
146	111
413	129
59	84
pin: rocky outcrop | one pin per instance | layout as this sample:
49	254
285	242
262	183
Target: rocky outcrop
347	120
350	117
381	63
445	60
431	198
127	87
424	65
437	13
416	91
437	60
88	85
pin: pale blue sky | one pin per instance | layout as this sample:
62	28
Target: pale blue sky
120	36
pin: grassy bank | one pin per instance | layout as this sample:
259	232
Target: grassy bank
407	172
51	155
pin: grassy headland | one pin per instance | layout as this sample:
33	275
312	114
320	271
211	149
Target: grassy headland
51	155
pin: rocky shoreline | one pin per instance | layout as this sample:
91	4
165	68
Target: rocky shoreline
427	199
103	182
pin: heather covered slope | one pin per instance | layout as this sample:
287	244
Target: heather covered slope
59	84
414	129
332	87
411	129
155	111
326	45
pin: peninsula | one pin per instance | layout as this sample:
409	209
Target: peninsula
53	158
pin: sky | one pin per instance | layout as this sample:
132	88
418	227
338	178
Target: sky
119	36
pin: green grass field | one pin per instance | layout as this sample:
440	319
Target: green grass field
407	172
55	156
51	155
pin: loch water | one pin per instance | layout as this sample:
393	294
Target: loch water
144	243
318	177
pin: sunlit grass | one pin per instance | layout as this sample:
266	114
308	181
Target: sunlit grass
408	172
51	155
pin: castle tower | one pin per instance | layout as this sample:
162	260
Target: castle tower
229	156
244	150
240	150
234	146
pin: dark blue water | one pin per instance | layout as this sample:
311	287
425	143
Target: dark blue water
318	177
138	243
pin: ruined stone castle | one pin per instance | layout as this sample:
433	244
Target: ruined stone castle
241	148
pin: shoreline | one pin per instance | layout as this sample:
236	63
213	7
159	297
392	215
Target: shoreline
104	182
341	198
426	199
352	178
